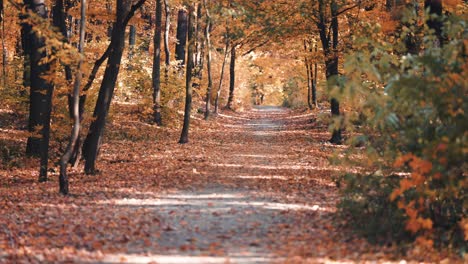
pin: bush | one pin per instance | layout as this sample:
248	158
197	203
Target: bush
413	110
365	203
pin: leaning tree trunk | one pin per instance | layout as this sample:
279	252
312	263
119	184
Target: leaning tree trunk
181	36
157	65
221	78
188	77
63	178
210	79
92	142
232	78
40	105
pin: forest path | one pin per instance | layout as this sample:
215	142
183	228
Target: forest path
241	214
252	187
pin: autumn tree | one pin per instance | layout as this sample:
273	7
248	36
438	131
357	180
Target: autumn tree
41	88
157	65
208	60
73	142
188	76
182	27
91	145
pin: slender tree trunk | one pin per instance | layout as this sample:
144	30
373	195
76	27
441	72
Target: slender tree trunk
308	71
60	17
167	52
40	106
221	78
59	11
314	81
188	79
4	50
92	142
167	13
63	178
208	42
198	39
232	77
181	36
157	65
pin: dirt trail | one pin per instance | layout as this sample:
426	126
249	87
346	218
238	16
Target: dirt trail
254	187
237	217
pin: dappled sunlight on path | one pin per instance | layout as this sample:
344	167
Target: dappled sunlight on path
254	187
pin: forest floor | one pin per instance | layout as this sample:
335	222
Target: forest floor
253	187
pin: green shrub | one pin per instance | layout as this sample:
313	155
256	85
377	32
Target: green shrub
412	108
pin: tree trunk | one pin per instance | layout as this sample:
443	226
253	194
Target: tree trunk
92	142
221	78
4	50
198	39
314	80
40	105
333	71
330	50
232	78
167	12
308	71
188	77
157	65
210	79
181	36
59	11
167	52
63	178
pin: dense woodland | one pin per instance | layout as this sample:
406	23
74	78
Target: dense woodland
378	88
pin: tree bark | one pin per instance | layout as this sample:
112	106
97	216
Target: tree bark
188	77
221	78
59	11
181	36
157	65
232	77
63	178
40	105
208	58
330	50
92	142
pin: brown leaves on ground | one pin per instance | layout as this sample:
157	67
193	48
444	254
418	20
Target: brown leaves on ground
248	188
